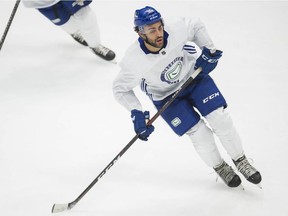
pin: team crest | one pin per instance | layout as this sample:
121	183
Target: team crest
172	72
176	122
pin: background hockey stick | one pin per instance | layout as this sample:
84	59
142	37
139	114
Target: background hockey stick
63	207
9	23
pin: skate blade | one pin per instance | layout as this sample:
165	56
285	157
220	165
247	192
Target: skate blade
113	61
259	185
241	187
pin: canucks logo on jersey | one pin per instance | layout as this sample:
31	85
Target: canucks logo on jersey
172	72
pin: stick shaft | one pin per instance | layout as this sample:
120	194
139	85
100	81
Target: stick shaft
9	23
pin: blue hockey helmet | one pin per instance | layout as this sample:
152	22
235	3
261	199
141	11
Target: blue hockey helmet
146	16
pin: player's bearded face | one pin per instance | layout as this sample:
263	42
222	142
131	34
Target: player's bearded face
154	34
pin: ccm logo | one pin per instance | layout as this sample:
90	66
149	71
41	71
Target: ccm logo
211	97
209	60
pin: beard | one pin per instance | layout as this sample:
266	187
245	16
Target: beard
156	43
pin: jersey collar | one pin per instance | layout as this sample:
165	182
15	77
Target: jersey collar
146	51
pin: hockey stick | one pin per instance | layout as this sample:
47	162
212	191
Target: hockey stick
9	23
63	207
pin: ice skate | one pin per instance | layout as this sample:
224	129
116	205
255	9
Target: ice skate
77	37
228	175
104	52
248	171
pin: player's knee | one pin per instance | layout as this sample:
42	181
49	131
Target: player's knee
83	12
200	134
195	128
86	18
219	119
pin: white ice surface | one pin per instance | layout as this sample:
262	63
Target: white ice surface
60	125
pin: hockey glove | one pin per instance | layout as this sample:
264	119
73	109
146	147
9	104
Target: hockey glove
207	61
140	127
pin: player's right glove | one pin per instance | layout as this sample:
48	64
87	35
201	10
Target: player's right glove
207	61
139	119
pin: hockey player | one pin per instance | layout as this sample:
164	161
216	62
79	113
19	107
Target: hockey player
77	19
160	61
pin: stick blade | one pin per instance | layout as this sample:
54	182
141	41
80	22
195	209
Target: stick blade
60	208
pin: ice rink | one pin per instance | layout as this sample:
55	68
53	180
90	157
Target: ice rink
60	125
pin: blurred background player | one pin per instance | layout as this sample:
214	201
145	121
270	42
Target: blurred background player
77	19
160	61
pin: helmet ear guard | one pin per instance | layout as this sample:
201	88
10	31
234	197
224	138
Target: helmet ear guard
141	28
136	29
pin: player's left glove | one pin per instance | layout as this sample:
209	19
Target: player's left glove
207	61
139	119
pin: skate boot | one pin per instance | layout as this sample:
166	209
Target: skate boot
228	175
248	171
103	52
77	37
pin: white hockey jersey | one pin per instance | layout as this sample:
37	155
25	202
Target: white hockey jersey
159	75
39	3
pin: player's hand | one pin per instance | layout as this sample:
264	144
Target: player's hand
207	60
139	120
